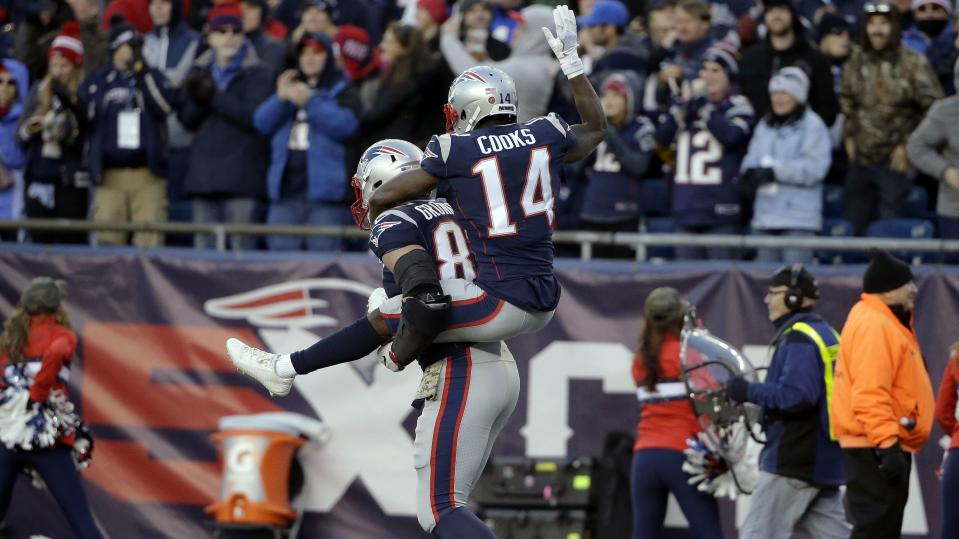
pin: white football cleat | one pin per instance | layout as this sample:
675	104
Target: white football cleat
260	365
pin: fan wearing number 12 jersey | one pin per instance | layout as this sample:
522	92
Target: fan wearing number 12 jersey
711	134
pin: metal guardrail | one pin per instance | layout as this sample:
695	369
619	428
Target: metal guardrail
585	239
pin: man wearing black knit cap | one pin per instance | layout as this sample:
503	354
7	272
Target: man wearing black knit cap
883	404
801	466
785	45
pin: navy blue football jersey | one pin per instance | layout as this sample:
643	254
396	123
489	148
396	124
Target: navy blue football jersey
612	194
501	180
709	150
431	225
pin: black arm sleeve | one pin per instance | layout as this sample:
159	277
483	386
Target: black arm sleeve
426	311
416	274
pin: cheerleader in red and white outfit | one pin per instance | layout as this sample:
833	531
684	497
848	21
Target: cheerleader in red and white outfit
38	427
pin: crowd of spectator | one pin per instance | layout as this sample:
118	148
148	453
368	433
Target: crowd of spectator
726	117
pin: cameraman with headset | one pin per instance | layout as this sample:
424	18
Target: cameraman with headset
801	466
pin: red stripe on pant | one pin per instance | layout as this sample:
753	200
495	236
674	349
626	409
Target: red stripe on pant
455	394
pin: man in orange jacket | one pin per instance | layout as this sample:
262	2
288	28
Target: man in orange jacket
883	402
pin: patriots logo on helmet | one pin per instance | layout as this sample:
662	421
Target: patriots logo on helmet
380	228
387	150
472	75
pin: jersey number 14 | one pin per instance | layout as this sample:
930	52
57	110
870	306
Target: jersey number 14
537	196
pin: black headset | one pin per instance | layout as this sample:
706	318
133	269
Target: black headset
794	295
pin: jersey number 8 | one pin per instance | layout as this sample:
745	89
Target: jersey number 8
452	252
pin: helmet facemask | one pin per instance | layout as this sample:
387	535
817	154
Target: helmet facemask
360	208
380	163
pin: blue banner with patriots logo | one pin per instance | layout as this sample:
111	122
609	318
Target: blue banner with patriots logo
152	378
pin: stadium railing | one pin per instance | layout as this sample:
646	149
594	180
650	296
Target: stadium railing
584	239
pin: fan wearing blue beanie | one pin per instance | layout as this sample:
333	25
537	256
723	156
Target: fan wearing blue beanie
710	124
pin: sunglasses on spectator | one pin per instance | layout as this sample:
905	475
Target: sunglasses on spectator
228	30
871	7
7	81
929	7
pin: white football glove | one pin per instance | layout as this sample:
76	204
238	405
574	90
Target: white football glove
564	45
375	300
385	354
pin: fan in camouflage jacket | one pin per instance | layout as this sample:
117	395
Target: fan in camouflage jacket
884	96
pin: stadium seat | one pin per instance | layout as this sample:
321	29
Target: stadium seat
833	227
659	225
902	228
654	198
833	201
916	205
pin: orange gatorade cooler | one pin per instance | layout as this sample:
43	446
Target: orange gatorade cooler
257	452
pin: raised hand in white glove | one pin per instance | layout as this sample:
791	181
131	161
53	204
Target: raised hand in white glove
385	354
564	44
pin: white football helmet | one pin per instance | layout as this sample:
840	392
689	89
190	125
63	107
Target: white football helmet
477	93
380	163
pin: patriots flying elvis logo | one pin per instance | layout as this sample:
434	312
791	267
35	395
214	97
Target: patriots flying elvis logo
387	150
378	229
472	75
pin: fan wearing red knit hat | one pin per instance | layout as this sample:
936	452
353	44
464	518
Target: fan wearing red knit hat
67	45
228	158
55	185
430	14
134	12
